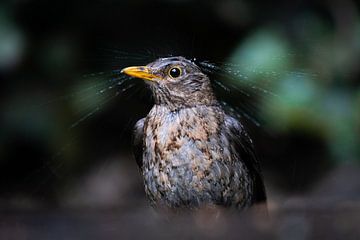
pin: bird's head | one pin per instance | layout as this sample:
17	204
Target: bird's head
175	81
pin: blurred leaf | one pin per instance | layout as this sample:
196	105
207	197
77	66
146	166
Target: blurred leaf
339	117
262	55
294	106
11	42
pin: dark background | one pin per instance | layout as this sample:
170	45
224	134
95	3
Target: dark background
66	169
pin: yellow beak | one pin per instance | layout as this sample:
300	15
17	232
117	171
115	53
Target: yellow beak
142	72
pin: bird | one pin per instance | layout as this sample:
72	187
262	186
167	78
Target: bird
190	152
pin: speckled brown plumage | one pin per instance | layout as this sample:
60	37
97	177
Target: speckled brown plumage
190	152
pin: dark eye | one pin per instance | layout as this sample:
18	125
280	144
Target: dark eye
175	72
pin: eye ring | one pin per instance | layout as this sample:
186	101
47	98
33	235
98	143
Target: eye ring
175	72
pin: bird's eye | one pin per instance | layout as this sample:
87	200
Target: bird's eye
175	72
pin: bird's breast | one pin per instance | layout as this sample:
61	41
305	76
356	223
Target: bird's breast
185	156
186	137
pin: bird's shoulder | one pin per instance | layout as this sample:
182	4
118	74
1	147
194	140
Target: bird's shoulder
137	141
244	149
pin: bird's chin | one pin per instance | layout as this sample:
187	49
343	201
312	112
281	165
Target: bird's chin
152	82
152	85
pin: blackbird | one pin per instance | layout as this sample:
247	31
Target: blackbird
190	152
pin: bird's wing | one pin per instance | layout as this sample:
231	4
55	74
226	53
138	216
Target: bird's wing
244	148
138	134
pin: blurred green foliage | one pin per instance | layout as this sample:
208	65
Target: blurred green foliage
316	97
11	41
